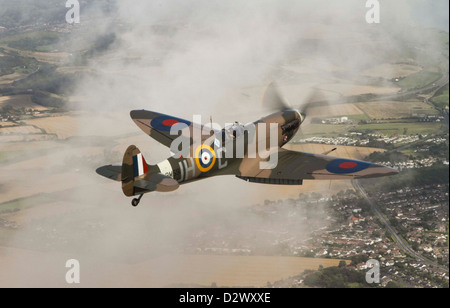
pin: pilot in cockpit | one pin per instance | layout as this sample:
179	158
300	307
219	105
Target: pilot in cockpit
233	131
236	129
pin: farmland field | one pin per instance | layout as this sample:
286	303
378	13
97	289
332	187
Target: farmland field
390	71
395	109
326	130
163	271
352	89
63	127
25	183
399	128
335	110
49	57
19	130
441	100
20	101
10	78
233	270
419	79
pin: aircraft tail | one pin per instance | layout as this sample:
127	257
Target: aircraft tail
133	166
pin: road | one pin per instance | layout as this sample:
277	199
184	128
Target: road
446	118
431	90
430	96
435	86
400	241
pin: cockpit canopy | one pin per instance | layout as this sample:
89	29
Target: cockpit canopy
232	131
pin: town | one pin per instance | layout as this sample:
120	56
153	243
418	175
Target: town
351	232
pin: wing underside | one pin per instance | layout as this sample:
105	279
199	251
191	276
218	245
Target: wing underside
296	166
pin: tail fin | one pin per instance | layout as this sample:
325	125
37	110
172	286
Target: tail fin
133	165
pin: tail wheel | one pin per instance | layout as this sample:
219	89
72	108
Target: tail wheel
136	201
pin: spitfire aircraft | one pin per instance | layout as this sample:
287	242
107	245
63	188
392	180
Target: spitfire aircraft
217	154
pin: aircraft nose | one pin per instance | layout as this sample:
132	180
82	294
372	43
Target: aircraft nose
302	116
291	115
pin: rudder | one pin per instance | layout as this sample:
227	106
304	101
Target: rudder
133	166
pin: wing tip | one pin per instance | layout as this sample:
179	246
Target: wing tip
138	113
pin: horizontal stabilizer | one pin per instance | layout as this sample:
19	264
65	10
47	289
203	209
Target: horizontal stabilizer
157	182
111	172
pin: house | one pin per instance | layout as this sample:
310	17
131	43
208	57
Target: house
361	266
390	263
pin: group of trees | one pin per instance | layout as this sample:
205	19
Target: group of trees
49	87
389	156
35	41
9	61
336	277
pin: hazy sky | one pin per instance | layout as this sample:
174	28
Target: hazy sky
432	13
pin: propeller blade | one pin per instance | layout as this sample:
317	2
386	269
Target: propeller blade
316	99
273	100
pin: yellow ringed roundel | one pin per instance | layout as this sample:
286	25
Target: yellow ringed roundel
205	158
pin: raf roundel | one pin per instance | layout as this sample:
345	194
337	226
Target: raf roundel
205	157
165	123
343	166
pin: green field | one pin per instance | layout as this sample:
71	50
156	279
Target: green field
358	117
441	100
385	128
326	130
43	41
11	62
413	128
418	80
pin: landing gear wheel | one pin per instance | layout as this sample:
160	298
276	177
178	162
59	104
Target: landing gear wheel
136	201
